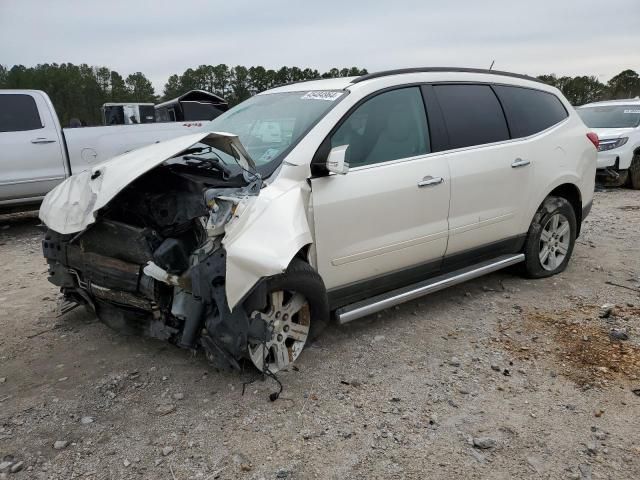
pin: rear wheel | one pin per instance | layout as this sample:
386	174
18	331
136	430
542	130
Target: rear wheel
550	239
634	173
297	311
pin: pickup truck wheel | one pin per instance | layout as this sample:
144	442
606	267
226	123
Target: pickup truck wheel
297	311
634	173
550	239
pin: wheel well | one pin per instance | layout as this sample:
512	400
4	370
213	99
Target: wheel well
303	253
570	193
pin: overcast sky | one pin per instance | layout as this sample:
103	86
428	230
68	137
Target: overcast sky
160	37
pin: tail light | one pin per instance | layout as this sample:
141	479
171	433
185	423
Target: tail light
594	139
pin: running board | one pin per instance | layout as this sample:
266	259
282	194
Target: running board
411	292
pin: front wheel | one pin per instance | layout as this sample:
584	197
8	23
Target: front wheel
296	311
550	239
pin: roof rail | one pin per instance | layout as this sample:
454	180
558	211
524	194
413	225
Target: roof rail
399	71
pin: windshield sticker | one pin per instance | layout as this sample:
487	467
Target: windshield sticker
321	95
632	111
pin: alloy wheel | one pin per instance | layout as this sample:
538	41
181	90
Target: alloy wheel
289	317
554	242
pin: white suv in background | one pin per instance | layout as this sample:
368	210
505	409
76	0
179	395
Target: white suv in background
617	123
376	190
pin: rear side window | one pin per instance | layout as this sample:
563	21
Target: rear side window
389	126
472	115
18	113
529	111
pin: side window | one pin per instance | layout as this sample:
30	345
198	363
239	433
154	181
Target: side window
18	113
529	111
389	126
472	115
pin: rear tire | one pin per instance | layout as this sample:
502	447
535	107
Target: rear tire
634	173
550	239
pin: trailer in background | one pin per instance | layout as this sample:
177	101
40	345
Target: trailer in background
128	113
193	105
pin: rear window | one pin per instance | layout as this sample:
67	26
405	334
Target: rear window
529	111
18	113
611	116
472	115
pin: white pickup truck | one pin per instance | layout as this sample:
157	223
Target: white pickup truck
36	154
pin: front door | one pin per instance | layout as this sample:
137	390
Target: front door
386	219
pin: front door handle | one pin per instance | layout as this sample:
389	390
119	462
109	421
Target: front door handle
518	162
42	140
430	181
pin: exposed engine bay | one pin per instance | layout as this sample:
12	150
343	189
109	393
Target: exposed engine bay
153	262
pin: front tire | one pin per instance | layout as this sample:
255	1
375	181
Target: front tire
550	239
297	310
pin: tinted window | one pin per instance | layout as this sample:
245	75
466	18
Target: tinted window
472	114
529	111
18	113
389	126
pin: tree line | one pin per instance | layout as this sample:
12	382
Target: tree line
585	89
78	91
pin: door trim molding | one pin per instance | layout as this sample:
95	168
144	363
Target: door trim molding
394	247
32	180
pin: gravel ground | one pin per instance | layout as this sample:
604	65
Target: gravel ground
497	378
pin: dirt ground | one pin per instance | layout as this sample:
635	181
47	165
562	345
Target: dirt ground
497	378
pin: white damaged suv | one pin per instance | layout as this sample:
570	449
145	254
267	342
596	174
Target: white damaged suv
334	197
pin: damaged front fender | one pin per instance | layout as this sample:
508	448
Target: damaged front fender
266	237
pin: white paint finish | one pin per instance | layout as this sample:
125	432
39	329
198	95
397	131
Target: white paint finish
89	146
29	169
269	232
487	193
376	219
325	84
623	154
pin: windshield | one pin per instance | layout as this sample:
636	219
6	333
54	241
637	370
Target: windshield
612	116
270	125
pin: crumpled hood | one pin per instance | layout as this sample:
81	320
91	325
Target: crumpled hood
72	205
606	133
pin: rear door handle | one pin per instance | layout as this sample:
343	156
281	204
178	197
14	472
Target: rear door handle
518	162
430	181
42	140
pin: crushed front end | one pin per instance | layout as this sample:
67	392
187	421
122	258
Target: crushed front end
152	262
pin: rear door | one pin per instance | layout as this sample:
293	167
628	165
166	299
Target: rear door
31	151
384	223
490	174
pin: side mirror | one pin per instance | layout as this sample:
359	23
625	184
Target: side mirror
336	162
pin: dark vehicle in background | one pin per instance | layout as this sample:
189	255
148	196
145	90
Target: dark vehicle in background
193	105
128	113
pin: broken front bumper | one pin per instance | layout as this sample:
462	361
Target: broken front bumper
95	270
